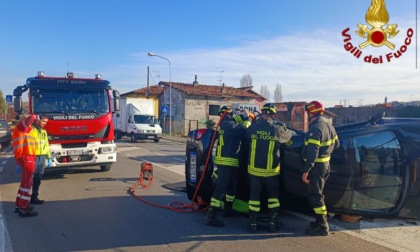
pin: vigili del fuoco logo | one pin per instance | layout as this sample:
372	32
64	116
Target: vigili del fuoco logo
377	33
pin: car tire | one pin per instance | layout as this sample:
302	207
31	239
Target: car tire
133	138
105	168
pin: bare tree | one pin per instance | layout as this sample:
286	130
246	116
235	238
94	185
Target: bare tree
265	92
3	105
246	81
278	94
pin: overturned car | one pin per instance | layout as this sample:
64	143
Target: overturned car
373	173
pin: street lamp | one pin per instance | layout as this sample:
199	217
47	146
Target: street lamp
170	91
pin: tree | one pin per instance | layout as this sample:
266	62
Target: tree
265	92
278	94
246	81
3	105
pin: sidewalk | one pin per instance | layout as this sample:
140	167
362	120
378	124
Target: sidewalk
175	138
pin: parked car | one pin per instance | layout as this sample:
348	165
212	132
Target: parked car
373	173
5	133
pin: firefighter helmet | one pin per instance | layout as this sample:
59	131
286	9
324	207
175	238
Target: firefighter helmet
224	109
314	108
269	109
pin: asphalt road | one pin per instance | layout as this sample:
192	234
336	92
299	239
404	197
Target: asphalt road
89	210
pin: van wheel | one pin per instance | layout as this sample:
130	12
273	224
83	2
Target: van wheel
133	138
118	135
156	140
105	168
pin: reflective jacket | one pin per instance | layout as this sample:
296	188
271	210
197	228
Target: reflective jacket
320	141
42	147
264	139
24	144
229	142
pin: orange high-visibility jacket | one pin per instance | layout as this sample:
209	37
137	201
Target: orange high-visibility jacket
24	144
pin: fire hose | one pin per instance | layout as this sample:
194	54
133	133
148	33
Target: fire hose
146	173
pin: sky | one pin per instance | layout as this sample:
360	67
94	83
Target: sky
296	44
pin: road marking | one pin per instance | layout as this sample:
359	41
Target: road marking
346	231
121	149
179	159
159	154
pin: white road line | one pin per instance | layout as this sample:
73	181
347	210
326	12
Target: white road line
179	159
158	154
4	162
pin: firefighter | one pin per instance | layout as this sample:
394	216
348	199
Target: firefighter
43	156
24	149
320	141
264	139
227	161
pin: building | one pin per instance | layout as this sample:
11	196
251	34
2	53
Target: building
194	104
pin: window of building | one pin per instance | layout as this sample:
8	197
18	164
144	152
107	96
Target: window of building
214	109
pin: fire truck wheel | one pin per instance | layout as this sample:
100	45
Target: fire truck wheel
105	168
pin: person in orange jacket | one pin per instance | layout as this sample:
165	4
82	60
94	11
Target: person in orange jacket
24	150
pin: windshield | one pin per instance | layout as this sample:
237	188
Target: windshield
144	119
70	101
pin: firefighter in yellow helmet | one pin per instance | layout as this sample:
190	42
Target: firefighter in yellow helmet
264	139
320	141
230	135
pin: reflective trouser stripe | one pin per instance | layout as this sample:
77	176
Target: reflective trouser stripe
273	203
24	189
216	203
321	210
229	198
254	205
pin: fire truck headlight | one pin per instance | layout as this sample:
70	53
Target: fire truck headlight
104	150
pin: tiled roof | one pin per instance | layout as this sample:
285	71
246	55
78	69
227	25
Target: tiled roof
154	90
212	90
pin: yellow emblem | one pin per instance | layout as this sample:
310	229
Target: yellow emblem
377	16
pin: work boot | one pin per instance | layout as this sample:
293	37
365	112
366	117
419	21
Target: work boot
274	224
36	201
27	212
211	218
319	227
28	207
253	217
229	212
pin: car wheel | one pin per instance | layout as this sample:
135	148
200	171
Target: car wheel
105	168
133	138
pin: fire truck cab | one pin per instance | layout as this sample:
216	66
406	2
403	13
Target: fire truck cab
80	127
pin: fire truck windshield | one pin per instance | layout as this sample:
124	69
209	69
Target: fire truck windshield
70	101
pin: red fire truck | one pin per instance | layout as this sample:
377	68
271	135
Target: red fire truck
80	127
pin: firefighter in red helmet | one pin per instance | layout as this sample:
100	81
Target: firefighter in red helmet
264	140
320	141
24	149
230	133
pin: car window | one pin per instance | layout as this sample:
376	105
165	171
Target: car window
3	124
378	179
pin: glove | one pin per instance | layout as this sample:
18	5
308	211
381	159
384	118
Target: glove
49	162
238	118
